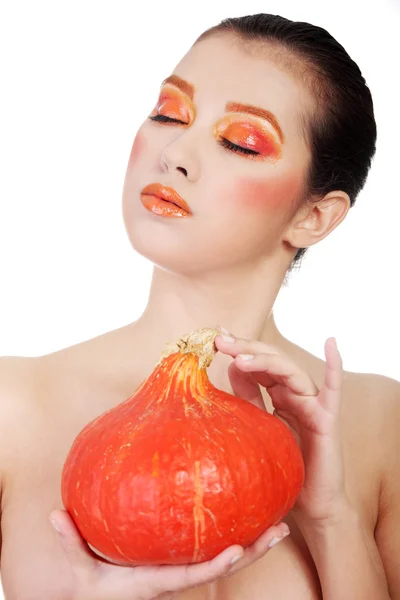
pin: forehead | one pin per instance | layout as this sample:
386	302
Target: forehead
221	70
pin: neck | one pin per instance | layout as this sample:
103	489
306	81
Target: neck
179	304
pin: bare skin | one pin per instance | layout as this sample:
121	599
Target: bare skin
67	389
202	278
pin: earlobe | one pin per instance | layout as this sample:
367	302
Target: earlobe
315	220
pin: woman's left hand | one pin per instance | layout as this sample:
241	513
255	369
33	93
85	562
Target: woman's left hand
313	415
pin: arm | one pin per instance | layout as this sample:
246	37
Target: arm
1	454
1	510
350	562
387	531
345	561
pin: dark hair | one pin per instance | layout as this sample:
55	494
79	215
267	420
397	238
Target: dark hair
341	131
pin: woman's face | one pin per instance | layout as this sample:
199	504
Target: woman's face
241	200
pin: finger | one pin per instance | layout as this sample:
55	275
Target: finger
241	345
331	390
282	368
244	386
261	546
179	578
174	578
80	556
270	369
334	366
292	423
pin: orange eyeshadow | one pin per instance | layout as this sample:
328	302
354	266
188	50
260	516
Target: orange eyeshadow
171	104
249	135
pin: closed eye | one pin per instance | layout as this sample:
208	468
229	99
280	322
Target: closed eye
223	141
235	148
163	119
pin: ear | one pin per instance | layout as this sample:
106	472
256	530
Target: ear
314	220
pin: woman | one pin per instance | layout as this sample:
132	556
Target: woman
260	141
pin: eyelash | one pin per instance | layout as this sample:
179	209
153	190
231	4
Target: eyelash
223	141
235	148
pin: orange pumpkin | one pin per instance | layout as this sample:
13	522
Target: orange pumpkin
180	470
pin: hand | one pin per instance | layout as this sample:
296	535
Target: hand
97	579
313	415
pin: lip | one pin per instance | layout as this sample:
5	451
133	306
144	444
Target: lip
167	194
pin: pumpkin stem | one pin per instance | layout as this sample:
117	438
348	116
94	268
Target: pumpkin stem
199	342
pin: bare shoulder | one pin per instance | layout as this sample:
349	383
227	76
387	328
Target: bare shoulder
18	379
17	385
370	400
381	396
371	418
17	373
18	412
383	403
376	399
371	408
15	369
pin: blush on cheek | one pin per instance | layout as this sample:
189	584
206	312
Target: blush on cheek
269	194
137	149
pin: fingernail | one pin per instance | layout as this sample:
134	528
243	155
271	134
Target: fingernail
246	356
236	558
55	525
285	528
223	330
227	338
275	540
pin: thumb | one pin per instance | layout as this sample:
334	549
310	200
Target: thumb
76	549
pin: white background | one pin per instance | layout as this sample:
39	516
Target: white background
77	79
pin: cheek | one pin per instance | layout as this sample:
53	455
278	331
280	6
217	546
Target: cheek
267	195
138	147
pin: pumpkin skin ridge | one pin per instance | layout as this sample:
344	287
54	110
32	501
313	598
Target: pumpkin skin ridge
193	404
79	452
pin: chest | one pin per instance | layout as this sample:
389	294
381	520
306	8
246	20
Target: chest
33	562
34	566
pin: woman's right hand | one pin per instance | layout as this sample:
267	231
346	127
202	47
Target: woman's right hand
97	579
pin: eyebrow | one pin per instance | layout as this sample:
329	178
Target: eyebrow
188	89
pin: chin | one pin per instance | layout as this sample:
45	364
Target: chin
161	240
162	248
173	246
169	250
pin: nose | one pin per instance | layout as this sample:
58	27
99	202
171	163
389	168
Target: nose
177	157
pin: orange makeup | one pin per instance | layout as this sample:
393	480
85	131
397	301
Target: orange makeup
249	134
270	193
172	104
137	148
255	130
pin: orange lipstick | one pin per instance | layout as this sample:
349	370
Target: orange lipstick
164	201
